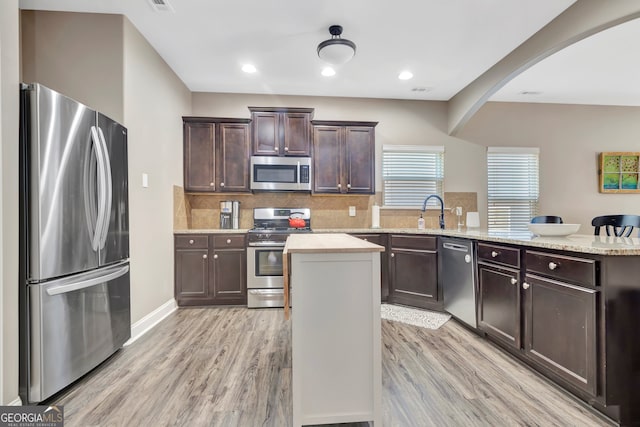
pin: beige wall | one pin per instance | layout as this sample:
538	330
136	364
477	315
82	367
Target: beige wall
400	122
570	138
83	61
9	113
154	100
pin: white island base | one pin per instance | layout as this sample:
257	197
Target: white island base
336	351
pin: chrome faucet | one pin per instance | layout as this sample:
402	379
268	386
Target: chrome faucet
441	218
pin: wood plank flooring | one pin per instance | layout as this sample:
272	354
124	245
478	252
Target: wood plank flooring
232	366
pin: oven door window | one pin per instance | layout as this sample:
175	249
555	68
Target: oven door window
268	262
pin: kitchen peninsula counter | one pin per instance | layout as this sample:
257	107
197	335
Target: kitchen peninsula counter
336	338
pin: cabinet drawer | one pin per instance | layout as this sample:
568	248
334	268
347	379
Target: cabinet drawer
192	241
414	242
228	241
578	270
499	254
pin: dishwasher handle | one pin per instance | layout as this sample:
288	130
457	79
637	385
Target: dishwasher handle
455	247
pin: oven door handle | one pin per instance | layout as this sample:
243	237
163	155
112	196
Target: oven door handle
265	244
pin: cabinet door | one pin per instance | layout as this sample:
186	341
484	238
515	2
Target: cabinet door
297	134
229	283
199	162
192	276
327	168
266	133
359	160
499	304
560	330
413	278
233	157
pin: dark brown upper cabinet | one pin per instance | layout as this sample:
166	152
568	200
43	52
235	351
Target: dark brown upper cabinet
281	131
344	157
216	154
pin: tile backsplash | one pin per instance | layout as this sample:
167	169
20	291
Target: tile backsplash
202	211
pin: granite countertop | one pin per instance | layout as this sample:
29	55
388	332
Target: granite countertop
328	243
583	243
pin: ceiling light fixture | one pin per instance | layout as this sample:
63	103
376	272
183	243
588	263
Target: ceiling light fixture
249	68
328	72
336	50
405	75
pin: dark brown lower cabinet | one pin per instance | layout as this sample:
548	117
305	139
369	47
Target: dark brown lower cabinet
191	273
413	271
210	269
560	330
380	239
229	284
499	308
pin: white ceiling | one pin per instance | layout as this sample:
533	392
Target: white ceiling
446	44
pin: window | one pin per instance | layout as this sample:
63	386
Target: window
410	173
512	194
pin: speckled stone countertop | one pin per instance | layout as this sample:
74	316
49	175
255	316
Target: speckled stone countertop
583	243
211	231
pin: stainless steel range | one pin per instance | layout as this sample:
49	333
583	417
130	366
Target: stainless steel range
271	227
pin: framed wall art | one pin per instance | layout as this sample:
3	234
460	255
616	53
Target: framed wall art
619	172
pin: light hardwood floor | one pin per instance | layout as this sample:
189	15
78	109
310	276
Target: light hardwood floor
232	367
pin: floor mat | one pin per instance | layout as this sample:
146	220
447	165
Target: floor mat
414	316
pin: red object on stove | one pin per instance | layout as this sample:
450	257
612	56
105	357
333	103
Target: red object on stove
296	223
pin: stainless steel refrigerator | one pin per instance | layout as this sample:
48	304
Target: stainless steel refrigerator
74	241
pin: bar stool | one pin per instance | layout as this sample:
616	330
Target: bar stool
616	225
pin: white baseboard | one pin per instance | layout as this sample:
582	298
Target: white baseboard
16	402
145	324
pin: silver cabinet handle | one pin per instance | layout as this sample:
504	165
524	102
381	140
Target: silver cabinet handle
286	148
228	241
204	256
191	242
393	255
514	281
339	185
348	185
222	184
365	240
276	149
211	184
525	285
494	254
553	266
215	256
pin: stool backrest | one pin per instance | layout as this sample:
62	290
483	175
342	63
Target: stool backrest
616	225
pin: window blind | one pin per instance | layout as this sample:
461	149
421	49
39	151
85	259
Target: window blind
512	194
410	173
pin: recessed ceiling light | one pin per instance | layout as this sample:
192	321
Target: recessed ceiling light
405	75
249	68
328	72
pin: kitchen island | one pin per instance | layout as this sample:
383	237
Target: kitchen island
336	353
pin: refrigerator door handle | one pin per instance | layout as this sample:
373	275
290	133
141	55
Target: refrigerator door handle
108	190
62	289
95	241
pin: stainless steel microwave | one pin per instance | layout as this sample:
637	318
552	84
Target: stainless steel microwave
270	173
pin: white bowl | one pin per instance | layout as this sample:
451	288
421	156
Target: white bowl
554	229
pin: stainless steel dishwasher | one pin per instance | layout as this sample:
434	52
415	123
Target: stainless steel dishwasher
457	273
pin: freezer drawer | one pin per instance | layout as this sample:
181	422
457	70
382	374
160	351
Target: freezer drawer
76	323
